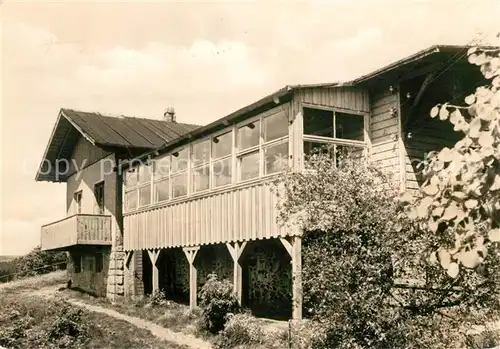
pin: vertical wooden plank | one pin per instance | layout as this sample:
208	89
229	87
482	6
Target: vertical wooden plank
297	278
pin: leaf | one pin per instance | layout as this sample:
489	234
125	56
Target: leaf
486	139
438	211
450	212
453	270
496	183
430	189
470	99
434	111
407	197
494	235
456	117
443	113
471	203
444	258
433	225
471	50
475	127
423	207
445	155
469	259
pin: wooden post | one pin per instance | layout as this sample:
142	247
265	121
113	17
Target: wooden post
235	250
294	248
153	255
190	253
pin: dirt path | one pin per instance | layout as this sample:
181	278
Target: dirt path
158	331
163	333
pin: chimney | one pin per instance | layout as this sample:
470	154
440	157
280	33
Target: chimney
169	114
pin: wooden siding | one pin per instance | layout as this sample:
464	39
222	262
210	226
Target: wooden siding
77	230
241	214
85	154
340	97
384	131
425	135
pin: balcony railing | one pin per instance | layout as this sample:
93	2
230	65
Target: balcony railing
80	229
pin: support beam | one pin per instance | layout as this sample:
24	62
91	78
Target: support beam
428	79
153	255
235	250
128	258
190	253
294	248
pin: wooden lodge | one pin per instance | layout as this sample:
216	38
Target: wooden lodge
183	201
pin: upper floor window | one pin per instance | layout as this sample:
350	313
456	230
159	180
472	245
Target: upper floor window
99	197
333	132
245	151
77	196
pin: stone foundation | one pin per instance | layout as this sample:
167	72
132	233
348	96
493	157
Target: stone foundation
115	281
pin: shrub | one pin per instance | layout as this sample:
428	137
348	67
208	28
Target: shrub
69	327
240	329
157	298
217	301
484	340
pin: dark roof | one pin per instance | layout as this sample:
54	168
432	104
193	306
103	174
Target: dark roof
125	131
110	133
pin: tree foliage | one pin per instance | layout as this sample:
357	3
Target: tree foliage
460	199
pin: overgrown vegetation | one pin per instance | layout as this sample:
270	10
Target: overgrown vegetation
34	263
217	301
30	321
360	243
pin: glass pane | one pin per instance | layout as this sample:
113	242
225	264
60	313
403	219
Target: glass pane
145	172
162	191
349	126
131	200
179	185
249	166
222	172
145	195
162	167
276	158
201	178
249	135
222	145
318	122
275	126
201	152
179	161
131	178
315	148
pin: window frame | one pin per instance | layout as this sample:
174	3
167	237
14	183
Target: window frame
197	166
334	140
77	197
260	148
97	208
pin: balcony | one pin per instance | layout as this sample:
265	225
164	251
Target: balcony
80	229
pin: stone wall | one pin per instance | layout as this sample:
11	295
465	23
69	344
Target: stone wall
90	279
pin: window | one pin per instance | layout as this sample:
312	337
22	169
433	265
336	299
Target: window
276	158
99	263
131	200
249	135
333	132
249	166
264	139
138	186
275	126
78	201
99	197
77	264
178	171
161	175
201	166
222	149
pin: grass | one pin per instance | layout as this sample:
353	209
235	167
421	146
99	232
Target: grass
30	321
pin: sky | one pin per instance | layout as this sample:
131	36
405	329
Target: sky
206	59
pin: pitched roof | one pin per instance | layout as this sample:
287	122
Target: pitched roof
107	132
125	131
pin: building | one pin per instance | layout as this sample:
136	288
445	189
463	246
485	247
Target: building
185	201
